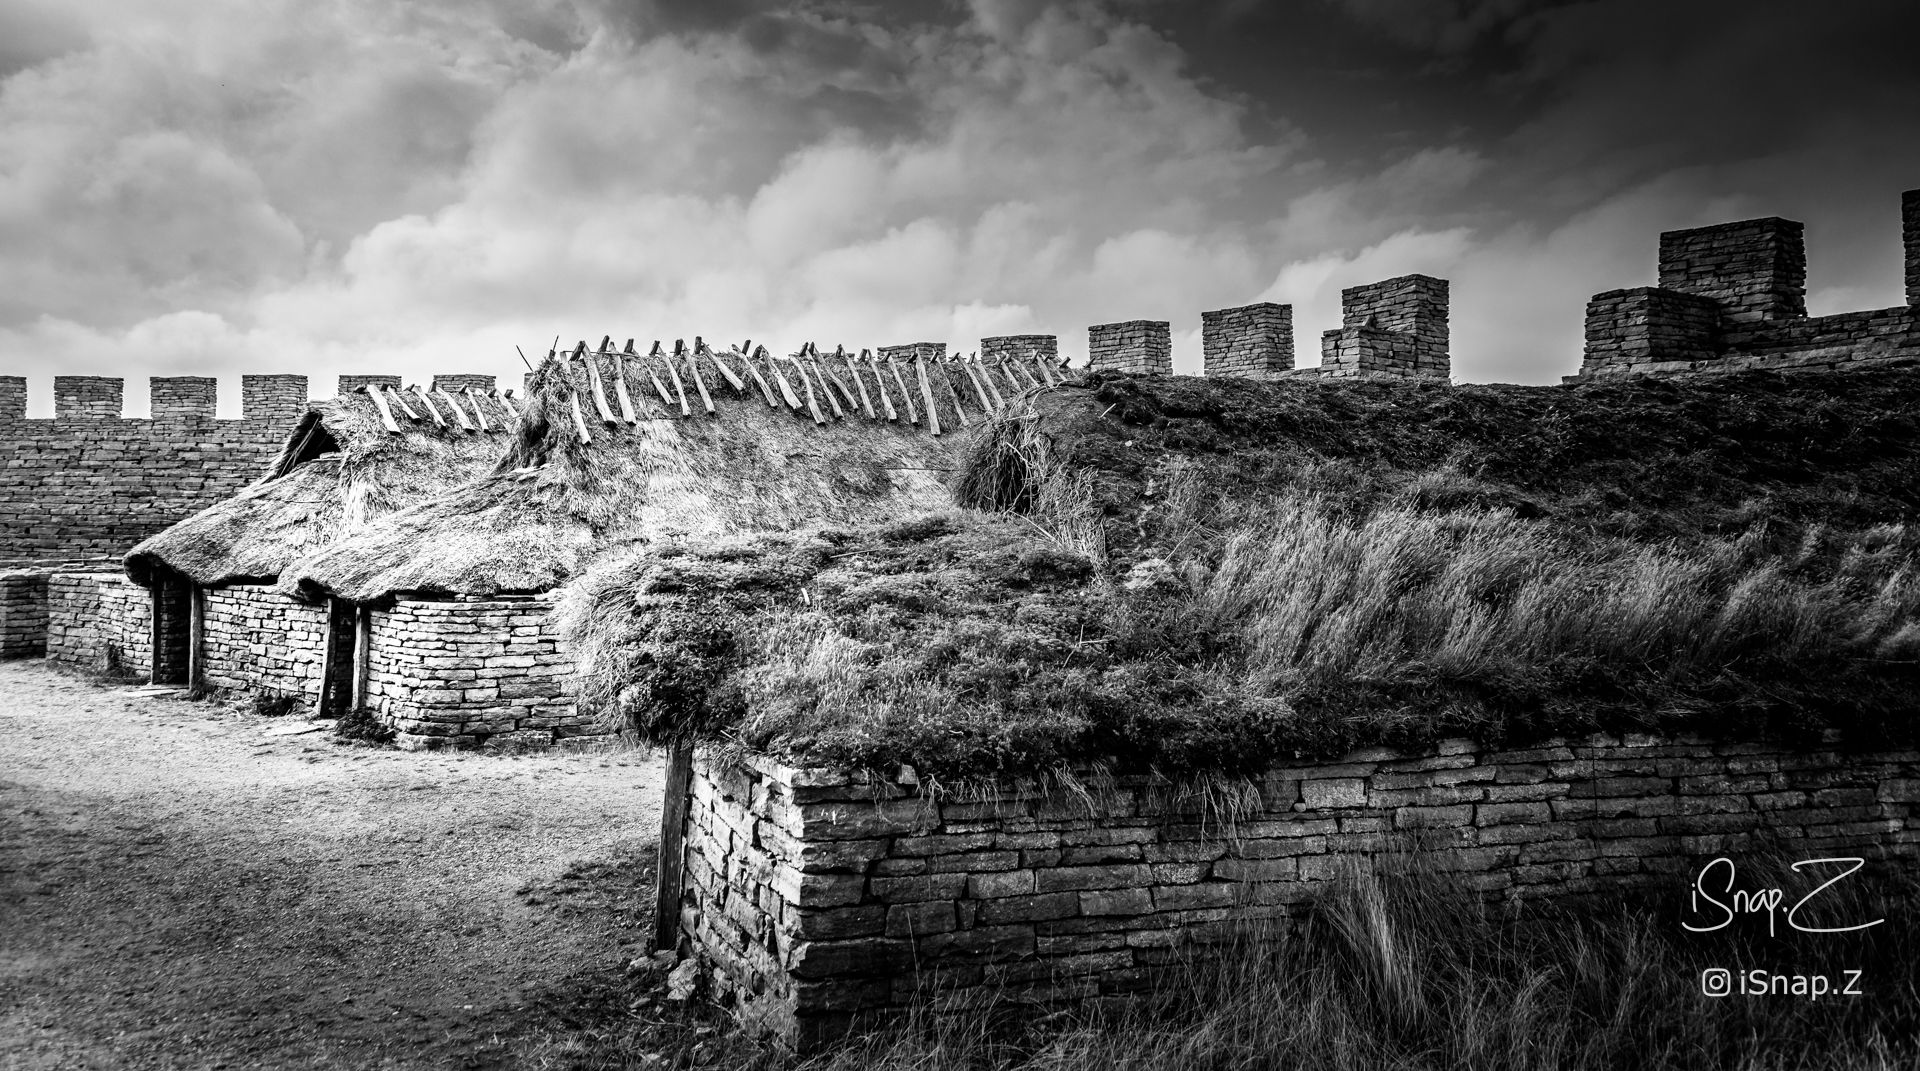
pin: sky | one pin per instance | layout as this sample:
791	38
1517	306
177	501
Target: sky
217	187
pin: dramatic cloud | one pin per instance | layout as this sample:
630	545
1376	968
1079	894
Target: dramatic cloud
355	185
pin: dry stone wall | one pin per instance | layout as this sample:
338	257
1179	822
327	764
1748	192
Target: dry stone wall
816	896
1254	341
1021	348
87	484
1395	327
255	640
1910	242
462	673
1733	297
101	622
23	614
1140	346
1754	270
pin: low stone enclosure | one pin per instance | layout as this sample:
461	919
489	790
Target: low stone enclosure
1734	297
819	898
439	672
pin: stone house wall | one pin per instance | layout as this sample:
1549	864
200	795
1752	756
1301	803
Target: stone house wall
254	640
99	621
814	895
459	673
23	614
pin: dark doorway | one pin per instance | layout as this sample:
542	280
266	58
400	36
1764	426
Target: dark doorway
337	668
173	638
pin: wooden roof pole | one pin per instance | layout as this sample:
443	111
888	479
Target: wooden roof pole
946	377
660	388
693	366
786	388
913	416
386	413
427	404
926	391
479	408
397	399
620	392
866	403
700	349
880	383
679	388
597	386
765	391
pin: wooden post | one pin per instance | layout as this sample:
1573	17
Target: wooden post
329	643
156	635
670	870
362	654
196	633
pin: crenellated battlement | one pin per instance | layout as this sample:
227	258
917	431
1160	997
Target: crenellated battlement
269	398
1733	296
89	482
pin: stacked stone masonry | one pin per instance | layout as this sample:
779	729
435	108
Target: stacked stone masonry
1910	242
1139	346
254	640
1733	298
1254	341
23	614
101	622
349	384
815	896
459	673
89	483
926	351
455	384
1021	348
1754	270
1396	327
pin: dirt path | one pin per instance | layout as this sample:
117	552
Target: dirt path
180	889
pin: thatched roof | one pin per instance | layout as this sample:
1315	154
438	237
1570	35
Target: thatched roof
623	448
1182	573
348	460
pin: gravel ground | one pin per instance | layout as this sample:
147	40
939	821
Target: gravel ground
182	887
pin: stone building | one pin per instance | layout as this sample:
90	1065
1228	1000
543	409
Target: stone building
455	597
196	604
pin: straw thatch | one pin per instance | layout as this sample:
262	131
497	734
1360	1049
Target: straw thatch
622	448
343	465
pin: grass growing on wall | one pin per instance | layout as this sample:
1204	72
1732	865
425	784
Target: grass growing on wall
1408	972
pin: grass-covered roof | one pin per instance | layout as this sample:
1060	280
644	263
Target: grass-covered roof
1184	574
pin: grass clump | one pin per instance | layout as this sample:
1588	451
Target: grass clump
1403	968
363	725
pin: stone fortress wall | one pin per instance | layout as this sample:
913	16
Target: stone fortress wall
1733	297
88	483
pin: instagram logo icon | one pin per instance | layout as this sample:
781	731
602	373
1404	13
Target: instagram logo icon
1716	981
